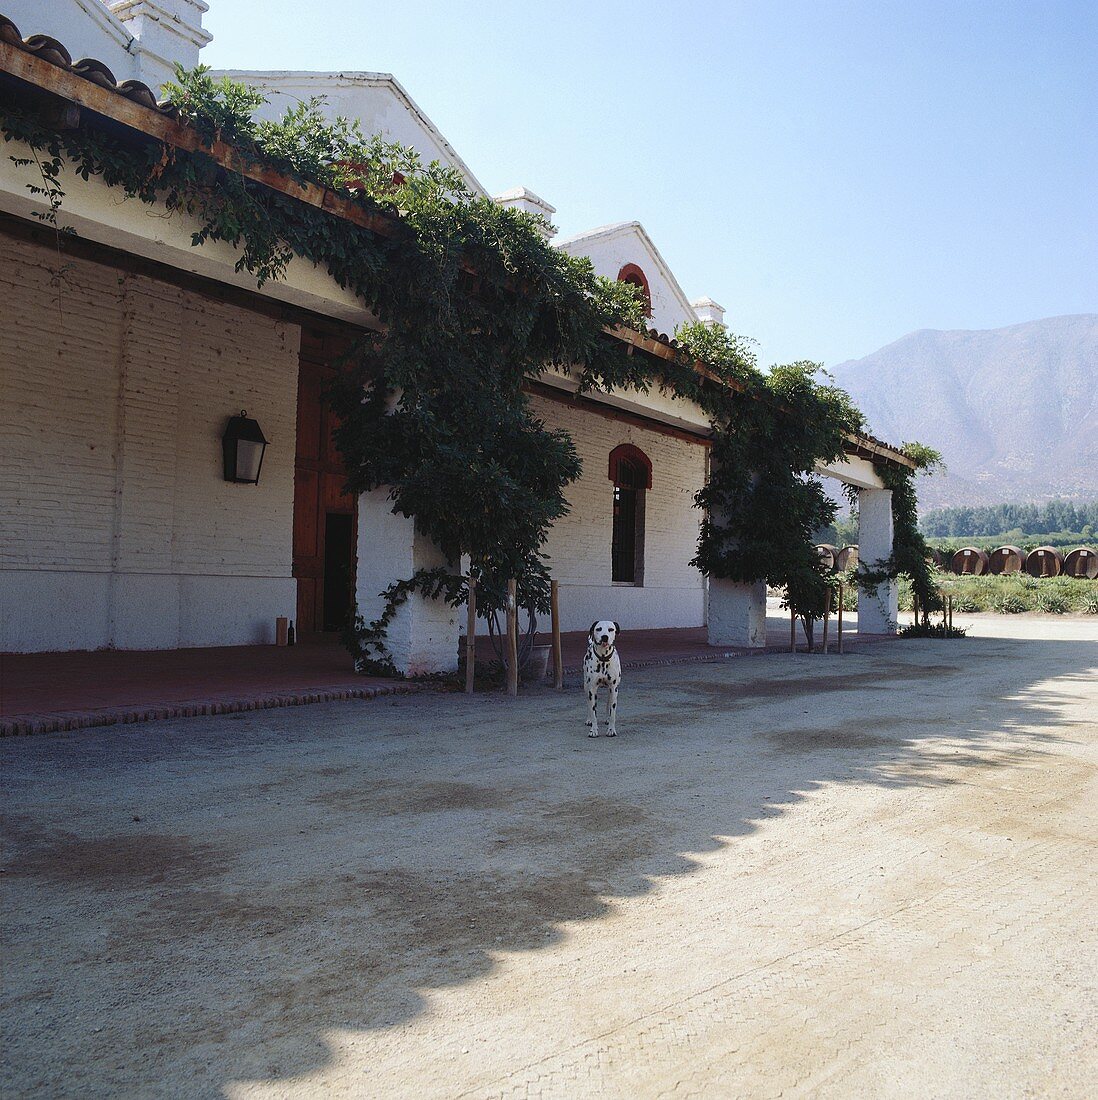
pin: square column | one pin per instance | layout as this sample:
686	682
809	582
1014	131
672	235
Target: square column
737	613
877	611
423	636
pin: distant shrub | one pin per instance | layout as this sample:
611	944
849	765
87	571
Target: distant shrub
1009	604
1052	603
932	630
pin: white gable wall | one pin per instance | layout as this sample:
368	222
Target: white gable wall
612	247
376	100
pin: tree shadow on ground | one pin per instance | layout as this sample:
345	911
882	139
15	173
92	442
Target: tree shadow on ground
202	903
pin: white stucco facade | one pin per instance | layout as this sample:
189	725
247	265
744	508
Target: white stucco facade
672	592
116	527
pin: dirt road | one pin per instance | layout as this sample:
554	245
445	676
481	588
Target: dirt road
872	875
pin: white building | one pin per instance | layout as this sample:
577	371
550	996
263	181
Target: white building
121	366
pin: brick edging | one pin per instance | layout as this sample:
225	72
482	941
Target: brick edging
63	721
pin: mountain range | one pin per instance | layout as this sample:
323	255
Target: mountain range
1014	411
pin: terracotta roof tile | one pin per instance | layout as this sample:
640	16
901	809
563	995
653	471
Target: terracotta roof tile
49	49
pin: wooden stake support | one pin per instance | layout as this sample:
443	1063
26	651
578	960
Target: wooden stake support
471	636
792	631
554	609
512	637
839	623
827	615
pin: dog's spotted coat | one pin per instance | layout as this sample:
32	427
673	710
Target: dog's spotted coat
602	667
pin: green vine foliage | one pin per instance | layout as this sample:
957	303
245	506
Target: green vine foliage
473	303
910	552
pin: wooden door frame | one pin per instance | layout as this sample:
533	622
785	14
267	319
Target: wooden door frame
318	358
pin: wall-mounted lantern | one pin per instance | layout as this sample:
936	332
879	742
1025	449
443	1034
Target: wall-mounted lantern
243	445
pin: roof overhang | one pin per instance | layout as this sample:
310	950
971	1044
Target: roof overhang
45	65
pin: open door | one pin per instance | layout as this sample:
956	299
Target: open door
325	518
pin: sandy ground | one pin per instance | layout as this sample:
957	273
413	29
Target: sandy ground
872	875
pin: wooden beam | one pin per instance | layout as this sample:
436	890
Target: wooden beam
610	412
471	636
121	260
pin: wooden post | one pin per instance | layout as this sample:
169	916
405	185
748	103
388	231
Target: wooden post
554	608
512	637
839	624
792	631
471	636
827	615
915	606
950	598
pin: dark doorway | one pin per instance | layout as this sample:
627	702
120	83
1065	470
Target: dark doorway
627	540
339	557
325	517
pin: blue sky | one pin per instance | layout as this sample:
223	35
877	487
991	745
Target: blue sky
836	174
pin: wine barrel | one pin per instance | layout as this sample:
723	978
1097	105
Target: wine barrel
1006	559
969	562
847	558
1044	561
827	554
1082	562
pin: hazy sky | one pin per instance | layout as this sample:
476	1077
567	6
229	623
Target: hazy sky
835	174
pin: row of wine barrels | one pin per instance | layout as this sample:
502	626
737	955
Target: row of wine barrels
1043	561
835	560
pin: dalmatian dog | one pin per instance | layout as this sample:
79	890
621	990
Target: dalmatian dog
602	667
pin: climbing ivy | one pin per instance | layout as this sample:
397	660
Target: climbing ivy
910	553
473	302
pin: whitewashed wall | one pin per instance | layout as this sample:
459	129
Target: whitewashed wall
673	593
611	248
116	526
377	101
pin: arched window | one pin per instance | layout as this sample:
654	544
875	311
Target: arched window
631	472
633	275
